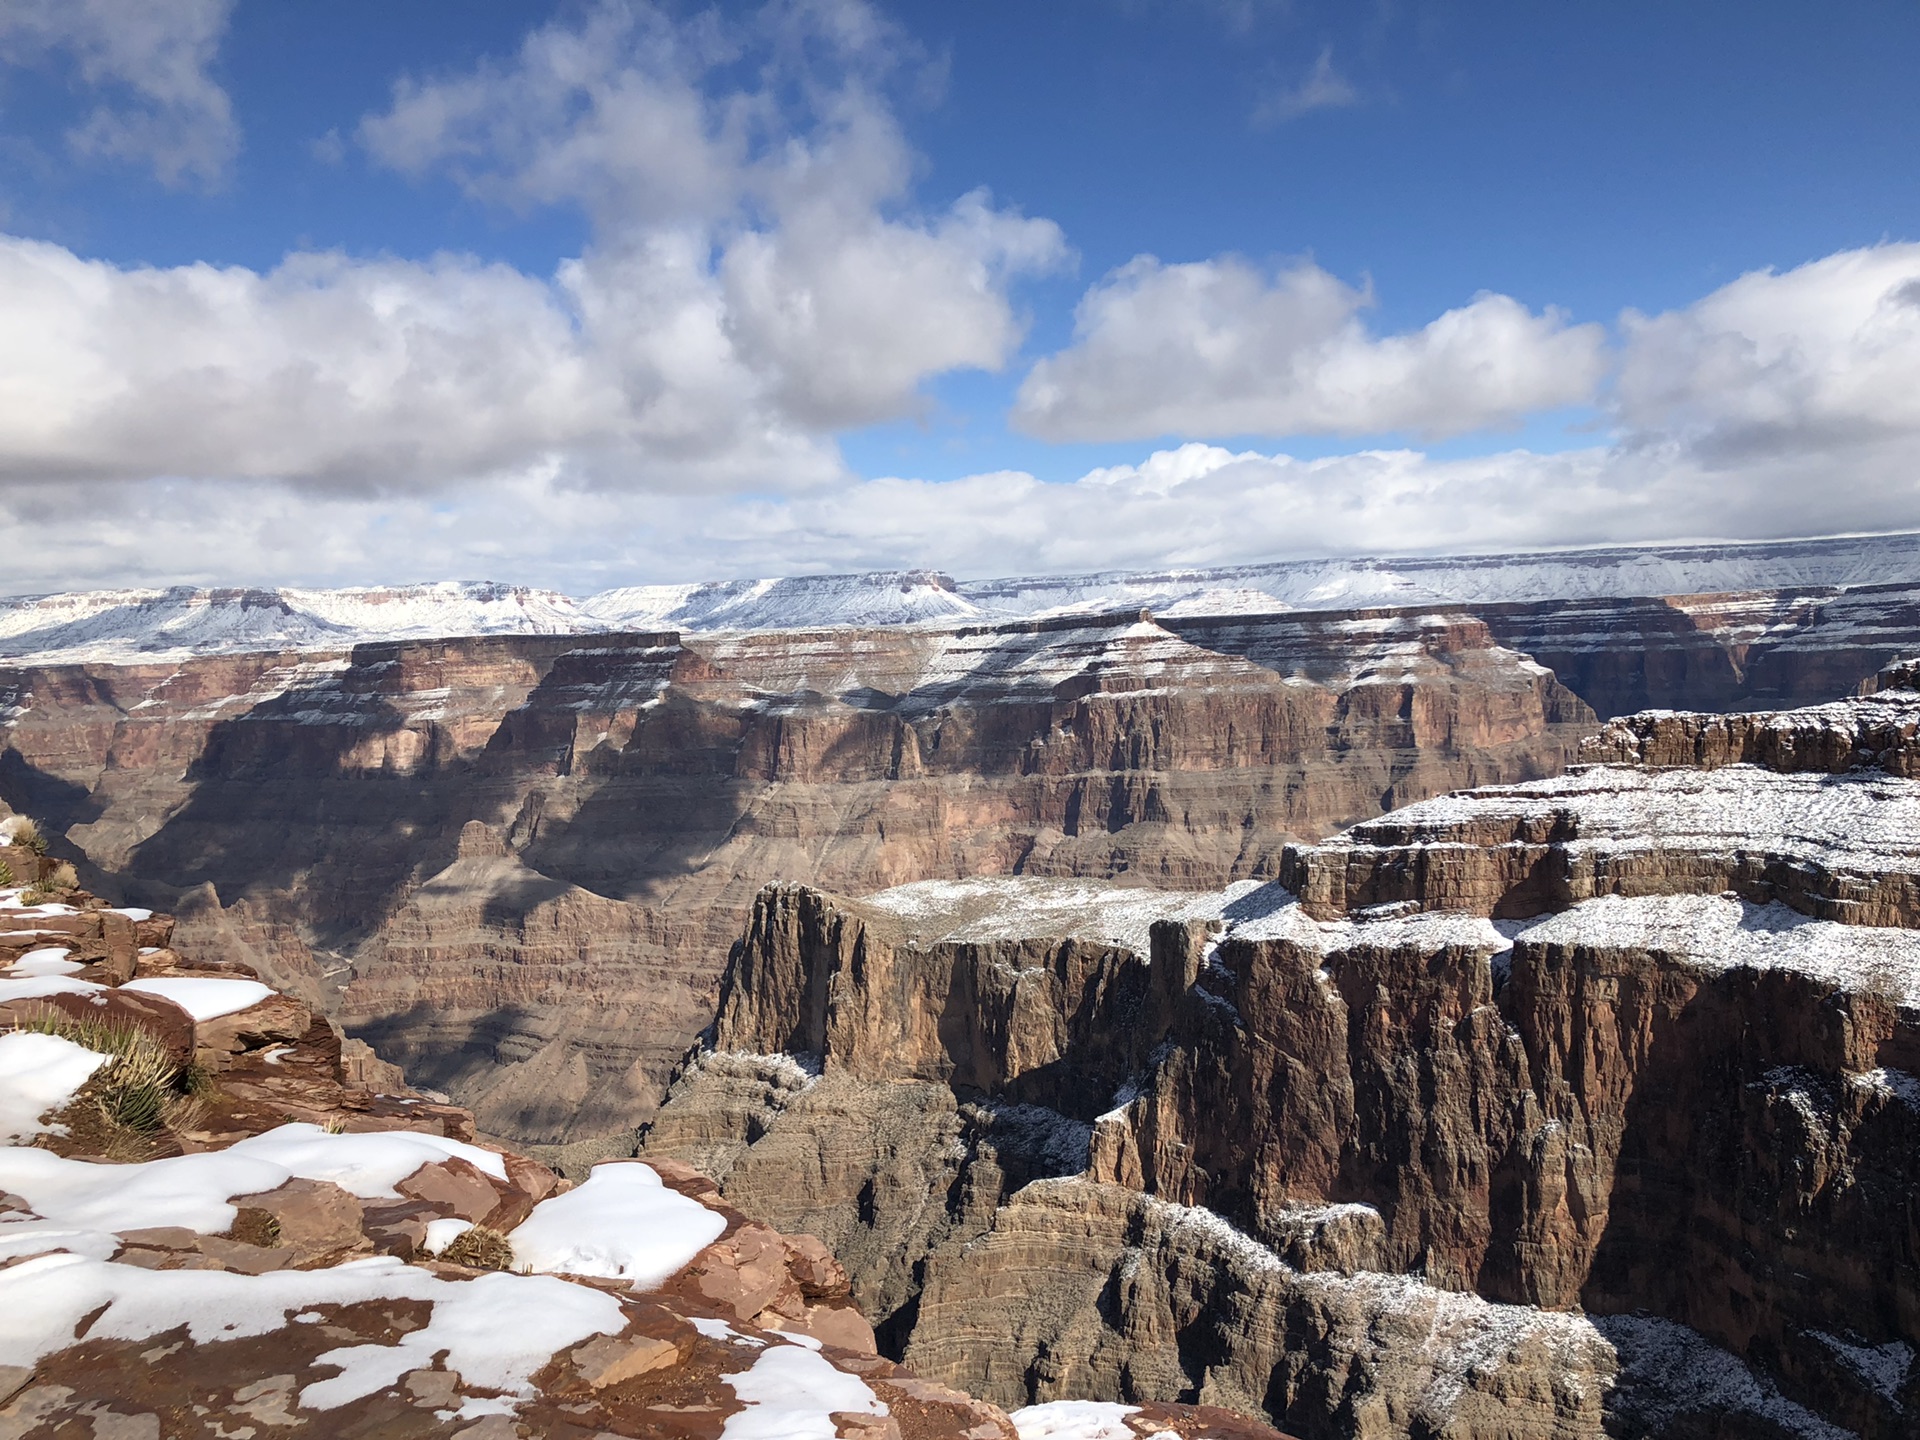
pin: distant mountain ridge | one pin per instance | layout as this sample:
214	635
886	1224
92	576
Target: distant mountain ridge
167	624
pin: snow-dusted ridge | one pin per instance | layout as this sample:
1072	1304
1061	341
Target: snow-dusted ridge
171	624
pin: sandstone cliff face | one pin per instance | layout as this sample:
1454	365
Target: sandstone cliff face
280	1246
1742	650
1679	1083
516	864
304	813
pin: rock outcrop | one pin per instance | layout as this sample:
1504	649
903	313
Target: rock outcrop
514	865
1514	1097
271	1246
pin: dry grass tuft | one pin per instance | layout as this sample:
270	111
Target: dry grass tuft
480	1249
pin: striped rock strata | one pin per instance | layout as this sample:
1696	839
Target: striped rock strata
1525	1095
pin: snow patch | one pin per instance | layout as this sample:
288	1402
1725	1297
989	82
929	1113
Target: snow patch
49	960
622	1224
793	1394
44	1301
1075	1420
39	1074
204	997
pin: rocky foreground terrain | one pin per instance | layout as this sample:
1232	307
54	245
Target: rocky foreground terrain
1583	1105
516	863
216	1221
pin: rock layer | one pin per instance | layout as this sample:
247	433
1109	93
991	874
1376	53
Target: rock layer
515	864
1674	1078
164	1295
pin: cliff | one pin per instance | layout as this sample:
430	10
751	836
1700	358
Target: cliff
515	864
1577	1106
211	1226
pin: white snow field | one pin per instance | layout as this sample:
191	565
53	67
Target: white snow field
162	625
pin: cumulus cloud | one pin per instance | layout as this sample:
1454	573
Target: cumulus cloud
834	297
1193	505
159	105
1218	347
1322	88
757	280
1825	357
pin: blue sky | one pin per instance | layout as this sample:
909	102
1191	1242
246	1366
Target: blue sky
606	293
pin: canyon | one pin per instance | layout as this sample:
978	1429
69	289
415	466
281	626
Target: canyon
516	862
1371	1017
218	1218
1586	1105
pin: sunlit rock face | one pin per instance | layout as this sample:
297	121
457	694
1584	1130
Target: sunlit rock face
1480	1119
517	863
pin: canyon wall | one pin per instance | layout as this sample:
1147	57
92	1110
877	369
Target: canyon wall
516	863
1576	1106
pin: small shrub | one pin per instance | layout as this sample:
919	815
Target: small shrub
140	1089
37	895
6	876
21	831
480	1249
63	878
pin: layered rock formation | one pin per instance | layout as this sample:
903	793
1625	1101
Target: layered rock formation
515	865
1634	1042
271	1246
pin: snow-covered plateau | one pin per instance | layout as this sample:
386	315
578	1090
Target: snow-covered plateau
168	624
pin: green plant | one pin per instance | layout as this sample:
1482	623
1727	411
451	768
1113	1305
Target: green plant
6	876
23	832
140	1088
37	894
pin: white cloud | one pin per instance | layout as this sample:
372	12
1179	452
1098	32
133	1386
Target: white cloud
1194	505
1219	348
756	281
370	374
159	105
1822	358
1322	88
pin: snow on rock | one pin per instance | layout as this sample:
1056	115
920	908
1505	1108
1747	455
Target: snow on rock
1075	1420
1669	1360
38	987
147	625
792	1393
1721	932
621	1224
194	1191
204	997
39	1074
1018	907
1865	820
185	1190
442	1233
370	1164
49	960
887	597
495	1330
1884	1367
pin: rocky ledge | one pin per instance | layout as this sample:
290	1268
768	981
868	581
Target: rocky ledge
214	1221
1588	1106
